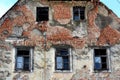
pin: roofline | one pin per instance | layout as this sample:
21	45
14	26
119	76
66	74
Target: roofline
91	0
109	9
10	9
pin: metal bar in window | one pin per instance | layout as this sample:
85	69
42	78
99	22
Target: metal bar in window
100	60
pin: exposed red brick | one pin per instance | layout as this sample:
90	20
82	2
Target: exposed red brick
42	26
61	11
116	17
109	36
26	33
61	35
7	25
57	34
93	29
26	17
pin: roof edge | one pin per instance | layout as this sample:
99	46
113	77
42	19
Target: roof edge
9	10
110	10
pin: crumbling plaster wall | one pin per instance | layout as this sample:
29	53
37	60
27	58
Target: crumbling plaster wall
19	28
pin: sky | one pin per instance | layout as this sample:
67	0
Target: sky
114	5
5	5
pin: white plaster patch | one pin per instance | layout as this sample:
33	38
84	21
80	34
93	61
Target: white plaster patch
80	32
63	21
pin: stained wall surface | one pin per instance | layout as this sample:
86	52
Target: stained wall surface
99	29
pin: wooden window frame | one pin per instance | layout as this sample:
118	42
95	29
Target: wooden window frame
101	56
69	57
59	54
30	56
80	13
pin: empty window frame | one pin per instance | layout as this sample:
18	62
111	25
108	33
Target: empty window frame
101	59
62	59
42	14
24	59
78	13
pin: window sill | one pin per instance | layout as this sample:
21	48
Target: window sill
40	22
22	71
63	71
102	71
84	20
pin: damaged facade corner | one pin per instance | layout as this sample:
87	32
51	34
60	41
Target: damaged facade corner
50	40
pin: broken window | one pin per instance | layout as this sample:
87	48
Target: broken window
100	59
24	59
62	59
42	14
78	13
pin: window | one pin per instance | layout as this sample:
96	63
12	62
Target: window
78	13
62	59
42	14
24	59
100	59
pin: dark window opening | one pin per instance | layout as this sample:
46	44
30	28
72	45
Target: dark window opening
78	13
42	14
23	60
100	59
62	59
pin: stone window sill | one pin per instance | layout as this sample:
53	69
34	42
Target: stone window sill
22	71
63	71
102	71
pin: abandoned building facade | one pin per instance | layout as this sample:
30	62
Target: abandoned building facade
59	40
